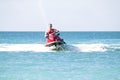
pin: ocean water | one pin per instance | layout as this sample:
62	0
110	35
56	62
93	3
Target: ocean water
86	56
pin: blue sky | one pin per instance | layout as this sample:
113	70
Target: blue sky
65	15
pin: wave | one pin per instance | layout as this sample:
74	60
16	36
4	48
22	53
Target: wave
71	47
24	47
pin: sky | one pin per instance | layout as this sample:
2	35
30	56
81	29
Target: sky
65	15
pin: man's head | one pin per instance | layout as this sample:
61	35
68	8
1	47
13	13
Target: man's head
50	26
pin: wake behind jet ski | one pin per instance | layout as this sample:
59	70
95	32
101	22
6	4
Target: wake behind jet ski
53	40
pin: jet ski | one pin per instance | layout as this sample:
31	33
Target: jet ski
54	41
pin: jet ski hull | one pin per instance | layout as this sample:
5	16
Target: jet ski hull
56	45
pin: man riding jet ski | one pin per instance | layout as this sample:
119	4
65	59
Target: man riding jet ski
52	38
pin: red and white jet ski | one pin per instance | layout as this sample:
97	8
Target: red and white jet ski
54	41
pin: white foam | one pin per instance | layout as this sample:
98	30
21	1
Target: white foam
42	48
24	47
91	47
96	47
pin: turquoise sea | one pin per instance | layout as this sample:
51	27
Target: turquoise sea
86	56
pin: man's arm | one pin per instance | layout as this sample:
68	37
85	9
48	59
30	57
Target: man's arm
56	30
46	34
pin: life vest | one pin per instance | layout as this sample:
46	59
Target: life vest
51	31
